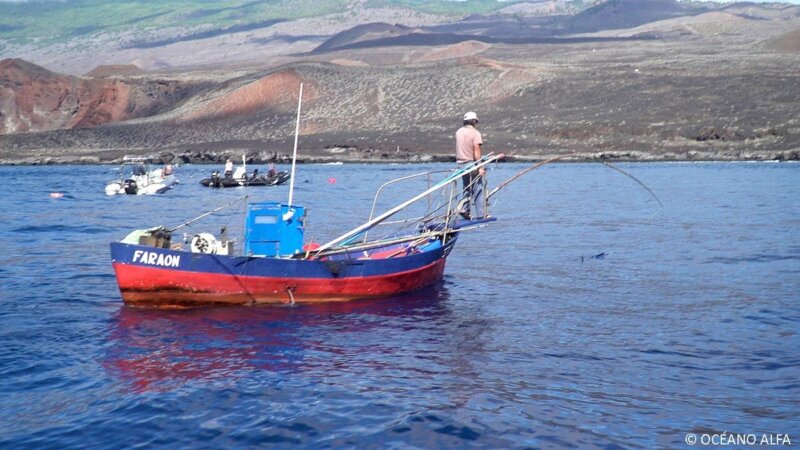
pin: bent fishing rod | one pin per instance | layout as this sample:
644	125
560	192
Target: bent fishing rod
572	154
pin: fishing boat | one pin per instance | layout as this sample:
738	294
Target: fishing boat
136	177
240	177
274	179
276	265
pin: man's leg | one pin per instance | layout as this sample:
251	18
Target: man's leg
466	194
477	196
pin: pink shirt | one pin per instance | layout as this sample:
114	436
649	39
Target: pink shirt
466	138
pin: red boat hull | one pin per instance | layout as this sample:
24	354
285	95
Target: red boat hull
164	288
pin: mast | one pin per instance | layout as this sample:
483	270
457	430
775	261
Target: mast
294	153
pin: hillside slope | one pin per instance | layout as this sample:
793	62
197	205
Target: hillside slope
35	99
720	84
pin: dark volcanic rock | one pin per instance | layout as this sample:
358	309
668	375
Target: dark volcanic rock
616	14
367	31
718	134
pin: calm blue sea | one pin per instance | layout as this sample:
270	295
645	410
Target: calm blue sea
585	317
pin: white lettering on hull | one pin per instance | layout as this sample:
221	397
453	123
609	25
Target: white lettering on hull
156	259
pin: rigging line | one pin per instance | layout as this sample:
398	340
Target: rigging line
396	180
429	215
636	180
207	214
414	220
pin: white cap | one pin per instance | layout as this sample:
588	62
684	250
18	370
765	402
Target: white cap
470	116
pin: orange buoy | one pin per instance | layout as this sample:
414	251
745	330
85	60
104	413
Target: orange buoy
310	247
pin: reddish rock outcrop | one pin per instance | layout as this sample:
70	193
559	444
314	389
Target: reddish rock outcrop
33	98
277	91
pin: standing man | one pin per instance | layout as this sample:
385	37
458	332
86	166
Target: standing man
468	150
228	168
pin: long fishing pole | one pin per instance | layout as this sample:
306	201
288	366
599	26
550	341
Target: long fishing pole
636	180
523	172
607	164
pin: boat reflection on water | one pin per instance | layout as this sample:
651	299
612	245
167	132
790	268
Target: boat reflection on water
161	350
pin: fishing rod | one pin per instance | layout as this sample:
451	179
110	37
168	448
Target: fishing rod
611	166
605	163
523	172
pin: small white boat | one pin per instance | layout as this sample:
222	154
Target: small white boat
137	178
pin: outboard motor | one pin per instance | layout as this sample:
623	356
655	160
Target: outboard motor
130	186
215	181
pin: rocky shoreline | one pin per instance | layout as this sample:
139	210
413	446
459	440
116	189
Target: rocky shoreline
353	155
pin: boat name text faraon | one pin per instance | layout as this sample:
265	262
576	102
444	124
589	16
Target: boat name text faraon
156	259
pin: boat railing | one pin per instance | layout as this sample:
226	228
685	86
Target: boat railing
427	174
449	181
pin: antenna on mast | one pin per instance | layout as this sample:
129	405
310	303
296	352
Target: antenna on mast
290	213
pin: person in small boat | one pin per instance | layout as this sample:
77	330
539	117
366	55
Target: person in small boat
255	175
468	150
271	172
139	170
228	168
167	170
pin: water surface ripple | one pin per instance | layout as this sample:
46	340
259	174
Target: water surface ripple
579	319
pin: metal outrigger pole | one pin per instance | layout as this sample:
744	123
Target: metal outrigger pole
366	226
